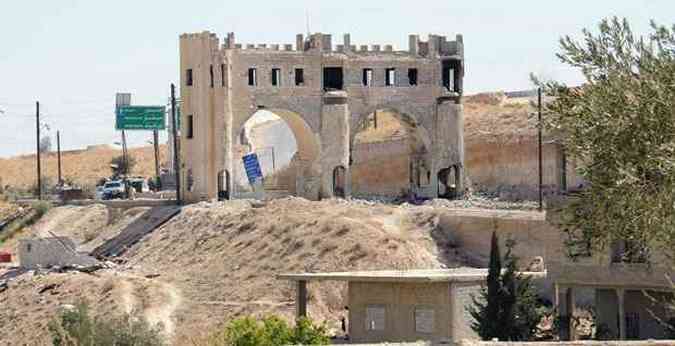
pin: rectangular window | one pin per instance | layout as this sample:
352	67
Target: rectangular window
188	77
252	77
211	74
276	77
368	77
333	78
375	318
390	77
222	74
451	75
412	76
299	76
424	320
190	127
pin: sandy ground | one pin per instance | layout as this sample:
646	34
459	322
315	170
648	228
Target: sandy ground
217	261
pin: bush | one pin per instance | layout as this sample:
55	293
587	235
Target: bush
76	327
41	208
270	331
121	167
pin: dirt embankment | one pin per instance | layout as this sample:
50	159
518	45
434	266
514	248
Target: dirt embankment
217	261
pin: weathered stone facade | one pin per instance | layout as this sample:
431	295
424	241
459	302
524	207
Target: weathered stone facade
324	95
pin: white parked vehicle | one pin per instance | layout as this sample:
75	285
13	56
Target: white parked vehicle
114	189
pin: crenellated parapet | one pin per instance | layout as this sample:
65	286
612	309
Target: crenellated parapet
435	46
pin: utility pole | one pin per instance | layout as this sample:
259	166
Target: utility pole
58	155
39	169
174	124
125	158
541	176
155	139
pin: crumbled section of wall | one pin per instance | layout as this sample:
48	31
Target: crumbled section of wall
51	252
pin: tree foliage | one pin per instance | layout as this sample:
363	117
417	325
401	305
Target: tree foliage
620	127
507	308
120	167
76	327
270	331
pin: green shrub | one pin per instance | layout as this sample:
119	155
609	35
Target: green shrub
76	327
41	208
270	331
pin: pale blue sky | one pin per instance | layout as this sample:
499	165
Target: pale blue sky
74	55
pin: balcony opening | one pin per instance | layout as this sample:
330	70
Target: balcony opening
367	77
412	76
299	77
390	77
451	75
276	77
252	77
222	74
332	78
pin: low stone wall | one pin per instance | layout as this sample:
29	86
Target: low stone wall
471	231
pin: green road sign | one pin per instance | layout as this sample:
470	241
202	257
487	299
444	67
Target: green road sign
140	118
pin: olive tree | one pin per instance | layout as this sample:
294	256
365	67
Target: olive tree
620	125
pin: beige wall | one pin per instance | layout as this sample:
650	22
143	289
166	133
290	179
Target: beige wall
512	167
399	301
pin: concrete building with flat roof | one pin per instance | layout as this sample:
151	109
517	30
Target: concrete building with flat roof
404	306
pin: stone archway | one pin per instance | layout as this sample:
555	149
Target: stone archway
300	176
390	154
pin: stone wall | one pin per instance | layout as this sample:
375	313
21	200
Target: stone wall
511	168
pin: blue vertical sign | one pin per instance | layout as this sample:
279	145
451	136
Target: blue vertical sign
252	167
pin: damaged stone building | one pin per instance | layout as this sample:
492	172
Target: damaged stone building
326	95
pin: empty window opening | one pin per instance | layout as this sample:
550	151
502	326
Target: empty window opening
222	74
211	74
188	77
332	78
299	77
412	76
223	185
276	77
367	77
390	77
451	75
448	182
190	127
339	181
252	77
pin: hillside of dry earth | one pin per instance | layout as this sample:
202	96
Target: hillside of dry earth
217	261
80	167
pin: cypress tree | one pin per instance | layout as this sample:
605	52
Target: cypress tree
507	306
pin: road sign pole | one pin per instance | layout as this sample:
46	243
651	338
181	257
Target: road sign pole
58	156
155	140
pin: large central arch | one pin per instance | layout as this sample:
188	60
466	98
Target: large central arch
394	175
302	170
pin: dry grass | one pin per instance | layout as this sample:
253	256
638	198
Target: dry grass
81	167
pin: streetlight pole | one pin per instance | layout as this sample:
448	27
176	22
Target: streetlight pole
39	169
